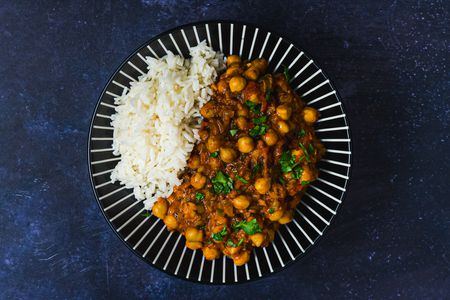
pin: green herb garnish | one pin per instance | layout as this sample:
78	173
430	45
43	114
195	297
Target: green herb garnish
258	130
255	169
260	120
288	164
268	94
249	228
301	133
310	149
214	154
222	183
241	179
240	242
147	214
255	108
230	243
305	182
286	72
219	236
305	152
281	180
271	210
233	132
199	197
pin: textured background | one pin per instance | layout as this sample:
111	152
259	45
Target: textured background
389	60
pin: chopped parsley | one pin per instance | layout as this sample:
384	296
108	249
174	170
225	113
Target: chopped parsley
219	236
260	120
258	130
147	214
255	169
249	228
288	164
222	183
310	149
240	242
199	196
268	94
281	180
233	132
301	133
214	154
255	108
286	72
305	182
305	152
271	210
241	179
232	244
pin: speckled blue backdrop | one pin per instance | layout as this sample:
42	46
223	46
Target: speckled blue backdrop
391	64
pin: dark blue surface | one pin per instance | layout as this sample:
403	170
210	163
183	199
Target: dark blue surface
391	64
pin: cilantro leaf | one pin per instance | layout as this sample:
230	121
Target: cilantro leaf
301	133
147	214
222	183
255	169
230	243
199	196
249	228
305	152
240	242
260	120
286	72
255	108
241	179
258	130
233	132
305	182
288	164
214	154
310	149
268	94
271	210
219	236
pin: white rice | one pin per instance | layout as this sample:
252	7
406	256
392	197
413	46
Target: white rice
156	121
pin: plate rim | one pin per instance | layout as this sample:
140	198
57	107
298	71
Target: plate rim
319	239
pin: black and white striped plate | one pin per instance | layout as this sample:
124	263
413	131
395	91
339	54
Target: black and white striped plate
147	236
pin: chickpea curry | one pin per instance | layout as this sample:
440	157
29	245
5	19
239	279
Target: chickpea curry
256	156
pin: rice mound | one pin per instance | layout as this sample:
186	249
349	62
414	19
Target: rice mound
156	121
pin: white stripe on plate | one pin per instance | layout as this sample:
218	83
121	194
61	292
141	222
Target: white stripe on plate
231	38
309	222
338	151
212	271
162	247
162	45
278	254
123	211
246	272
101	139
179	262
154	241
137	227
119	84
224	266
152	51
314	212
335	140
331	118
130	219
196	34
101	150
331	184
275	49
219	29
208	35
107	105
295	239
176	45
118	201
185	38
257	263
283	57
316	87
301	70
103	116
111	193
321	97
104	161
329	106
286	246
253	43
103	127
304	233
295	60
242	39
264	45
112	94
136	68
268	260
142	58
127	76
190	264
201	268
103	184
101	173
308	79
332	129
171	252
336	162
334	173
235	273
326	194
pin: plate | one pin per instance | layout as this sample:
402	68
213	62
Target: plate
147	236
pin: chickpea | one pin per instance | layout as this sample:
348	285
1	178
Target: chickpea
284	111
198	181
222	86
310	115
170	222
242	258
237	84
214	163
233	59
193	245
210	253
257	239
271	137
282	127
275	216
213	143
189	210
245	144
286	217
251	73
233	70
242	112
262	185
159	209
241	123
194	162
308	174
193	235
260	64
241	202
227	154
208	110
